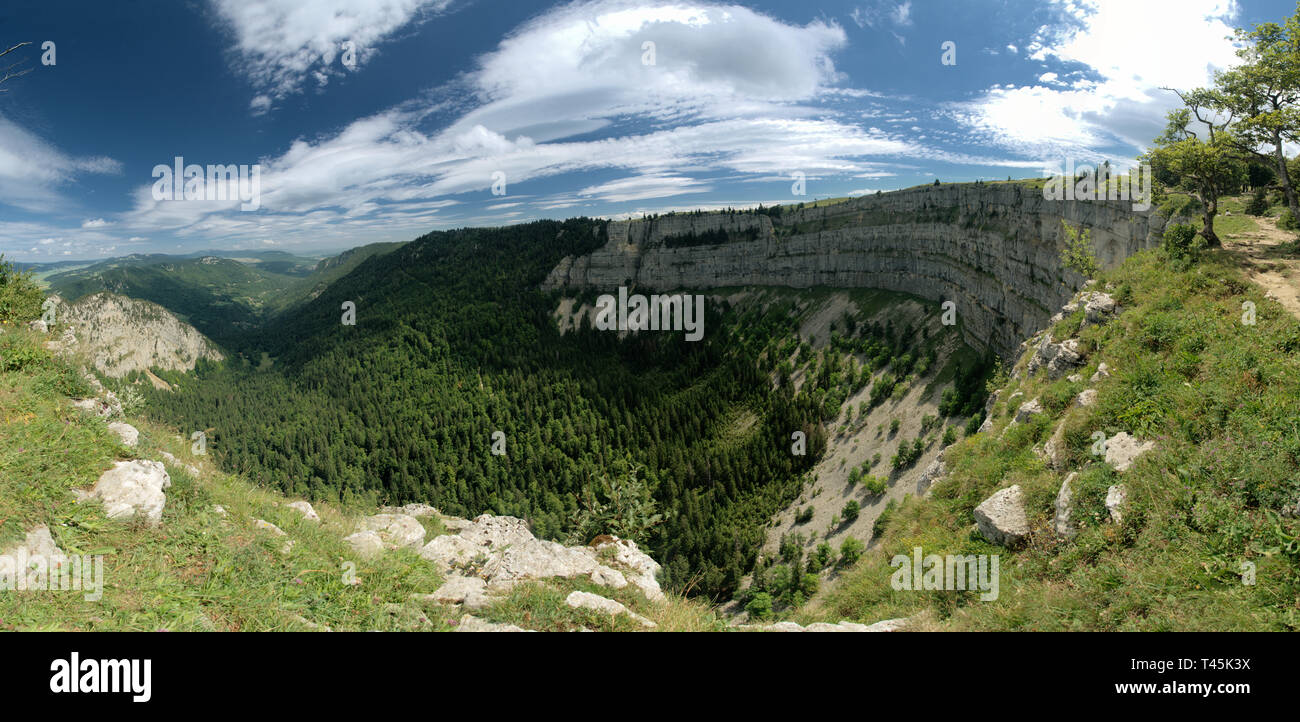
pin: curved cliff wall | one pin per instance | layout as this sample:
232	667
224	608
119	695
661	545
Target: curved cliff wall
993	249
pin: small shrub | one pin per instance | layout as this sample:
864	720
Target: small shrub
850	511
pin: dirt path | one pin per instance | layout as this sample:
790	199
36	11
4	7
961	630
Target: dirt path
1267	257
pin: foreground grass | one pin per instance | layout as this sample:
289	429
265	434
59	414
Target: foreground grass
1220	398
201	570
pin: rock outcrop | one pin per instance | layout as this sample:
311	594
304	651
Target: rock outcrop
992	249
120	335
501	551
1122	450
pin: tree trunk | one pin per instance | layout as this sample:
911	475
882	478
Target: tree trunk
1211	238
1284	178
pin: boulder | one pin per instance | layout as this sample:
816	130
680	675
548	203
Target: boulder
1086	398
396	530
366	544
129	435
1122	450
1001	518
305	509
1116	497
133	488
449	552
39	326
597	603
268	526
104	406
1061	522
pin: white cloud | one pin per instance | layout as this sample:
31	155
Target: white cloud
279	43
32	170
1120	103
94	223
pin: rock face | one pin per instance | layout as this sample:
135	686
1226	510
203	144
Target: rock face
501	551
934	472
1001	518
992	249
120	335
133	488
1058	358
1028	410
1122	450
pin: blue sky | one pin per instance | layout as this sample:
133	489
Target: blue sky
444	97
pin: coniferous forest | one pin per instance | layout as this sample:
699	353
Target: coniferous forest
454	342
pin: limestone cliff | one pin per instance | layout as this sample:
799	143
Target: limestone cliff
120	335
993	249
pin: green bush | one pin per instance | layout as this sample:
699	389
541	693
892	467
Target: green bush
850	511
1181	242
1287	222
760	607
874	484
851	551
1258	203
20	297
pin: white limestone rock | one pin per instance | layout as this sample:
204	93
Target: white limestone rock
1086	398
396	530
1062	522
1001	518
366	544
1028	410
469	623
39	555
268	526
304	508
133	488
1116	498
1122	450
469	591
597	603
128	434
1103	372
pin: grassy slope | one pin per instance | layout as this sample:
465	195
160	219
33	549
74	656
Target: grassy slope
1220	400
200	570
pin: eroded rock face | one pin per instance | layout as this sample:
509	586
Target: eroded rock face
120	335
985	247
133	488
1001	518
934	472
